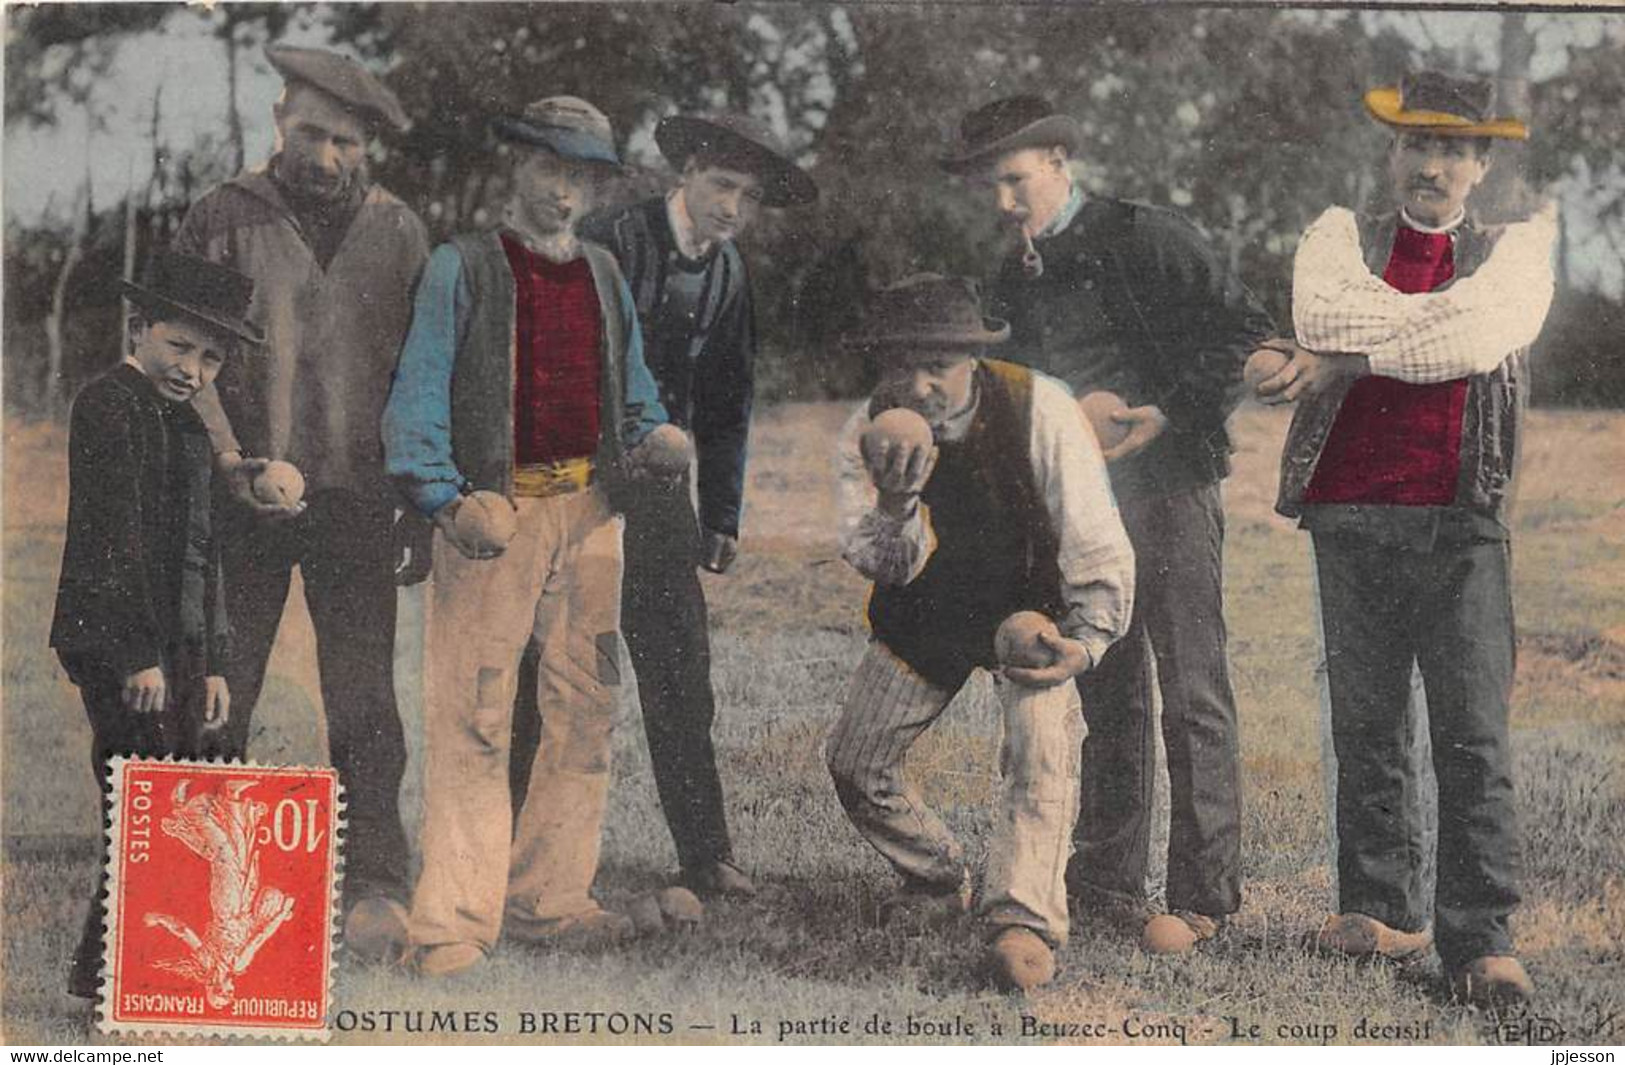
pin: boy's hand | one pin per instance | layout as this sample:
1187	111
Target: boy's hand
144	692
239	473
1145	424
1071	659
216	703
720	550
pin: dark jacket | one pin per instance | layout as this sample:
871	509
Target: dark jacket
314	396
1133	300
706	371
1489	439
141	567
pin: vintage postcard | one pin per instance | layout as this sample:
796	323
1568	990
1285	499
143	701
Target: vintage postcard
825	523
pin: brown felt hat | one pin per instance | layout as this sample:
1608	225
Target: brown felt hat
1009	125
743	142
927	311
1429	102
341	77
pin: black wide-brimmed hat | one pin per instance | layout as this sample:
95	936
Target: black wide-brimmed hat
1009	125
567	125
341	77
744	142
215	295
927	311
1430	102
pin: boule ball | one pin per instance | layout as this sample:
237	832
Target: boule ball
680	906
646	917
485	521
280	483
1017	642
1262	365
1098	408
899	428
665	451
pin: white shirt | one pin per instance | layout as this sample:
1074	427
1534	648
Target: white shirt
1095	559
1425	337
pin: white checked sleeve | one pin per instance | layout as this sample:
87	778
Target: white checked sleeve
882	548
1423	338
1095	558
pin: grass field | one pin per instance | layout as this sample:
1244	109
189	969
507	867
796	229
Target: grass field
787	629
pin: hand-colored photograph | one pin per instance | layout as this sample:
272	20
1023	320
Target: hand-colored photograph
813	524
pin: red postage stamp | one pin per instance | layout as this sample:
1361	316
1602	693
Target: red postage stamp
221	892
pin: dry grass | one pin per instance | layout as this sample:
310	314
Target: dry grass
788	627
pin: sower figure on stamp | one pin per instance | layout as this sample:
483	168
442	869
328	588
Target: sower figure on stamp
140	622
694	302
988	520
1411	387
1129	300
520	391
334	259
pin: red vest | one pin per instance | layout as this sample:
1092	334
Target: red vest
558	332
1396	443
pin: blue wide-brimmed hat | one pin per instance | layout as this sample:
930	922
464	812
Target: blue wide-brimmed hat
568	125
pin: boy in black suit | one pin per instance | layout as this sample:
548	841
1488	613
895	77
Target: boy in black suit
140	626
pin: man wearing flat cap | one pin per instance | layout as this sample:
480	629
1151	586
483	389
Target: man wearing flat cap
1408	369
520	395
694	300
1128	299
995	510
334	258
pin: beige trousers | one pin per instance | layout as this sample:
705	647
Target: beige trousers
560	579
887	708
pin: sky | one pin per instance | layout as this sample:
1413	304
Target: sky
44	167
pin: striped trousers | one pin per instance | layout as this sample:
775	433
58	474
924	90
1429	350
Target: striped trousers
887	707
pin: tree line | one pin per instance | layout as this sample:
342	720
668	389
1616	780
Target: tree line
1247	120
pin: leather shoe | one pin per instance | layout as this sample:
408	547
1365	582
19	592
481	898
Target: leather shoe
720	880
1177	932
1492	981
1360	936
1018	960
375	930
448	959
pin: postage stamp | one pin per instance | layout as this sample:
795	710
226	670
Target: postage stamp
221	899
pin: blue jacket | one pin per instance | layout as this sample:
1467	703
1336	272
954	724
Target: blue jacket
448	424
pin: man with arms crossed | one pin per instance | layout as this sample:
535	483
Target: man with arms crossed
1411	387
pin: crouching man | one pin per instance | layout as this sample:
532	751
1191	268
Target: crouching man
989	501
522	379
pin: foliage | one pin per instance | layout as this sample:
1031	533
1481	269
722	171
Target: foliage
1246	119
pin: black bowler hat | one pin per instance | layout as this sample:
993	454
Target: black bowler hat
738	142
927	311
1009	125
341	77
215	295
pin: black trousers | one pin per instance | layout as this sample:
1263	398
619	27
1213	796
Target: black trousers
176	730
1448	611
1178	618
667	631
344	548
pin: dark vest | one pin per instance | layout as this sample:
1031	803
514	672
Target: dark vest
996	549
482	388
